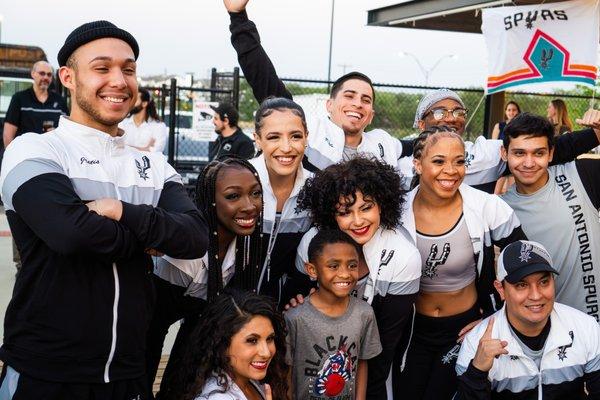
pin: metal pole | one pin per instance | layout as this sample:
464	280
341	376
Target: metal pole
172	121
330	44
236	87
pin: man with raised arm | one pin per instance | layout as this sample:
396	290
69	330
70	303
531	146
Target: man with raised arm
350	106
85	210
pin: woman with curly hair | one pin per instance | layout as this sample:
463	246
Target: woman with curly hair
362	197
236	352
229	194
455	228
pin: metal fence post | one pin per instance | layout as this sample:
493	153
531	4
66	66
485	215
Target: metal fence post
172	121
236	88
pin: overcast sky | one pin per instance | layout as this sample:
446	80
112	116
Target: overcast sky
180	36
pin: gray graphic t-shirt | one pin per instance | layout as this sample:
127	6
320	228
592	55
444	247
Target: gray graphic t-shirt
324	351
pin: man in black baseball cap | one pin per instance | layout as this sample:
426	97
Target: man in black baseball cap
86	211
533	347
232	141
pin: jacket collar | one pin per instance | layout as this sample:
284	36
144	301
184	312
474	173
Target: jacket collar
77	130
559	333
261	167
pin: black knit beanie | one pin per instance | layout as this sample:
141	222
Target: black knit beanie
92	31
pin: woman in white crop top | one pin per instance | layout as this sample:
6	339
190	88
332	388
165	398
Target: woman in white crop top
445	220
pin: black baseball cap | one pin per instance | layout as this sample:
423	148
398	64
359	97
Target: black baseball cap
522	258
226	110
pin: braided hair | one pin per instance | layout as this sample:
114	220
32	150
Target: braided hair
248	251
427	138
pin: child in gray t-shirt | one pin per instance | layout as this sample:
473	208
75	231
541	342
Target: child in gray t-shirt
331	335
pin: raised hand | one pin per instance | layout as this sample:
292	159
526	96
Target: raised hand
235	6
488	349
268	392
591	119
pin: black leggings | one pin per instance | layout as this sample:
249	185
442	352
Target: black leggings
429	372
171	306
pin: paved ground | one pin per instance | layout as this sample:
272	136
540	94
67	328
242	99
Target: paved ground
7	279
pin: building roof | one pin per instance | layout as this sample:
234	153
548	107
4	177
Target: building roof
444	15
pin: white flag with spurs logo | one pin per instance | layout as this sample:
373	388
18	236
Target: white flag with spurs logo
554	42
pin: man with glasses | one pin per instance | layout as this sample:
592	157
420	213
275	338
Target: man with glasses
35	109
483	161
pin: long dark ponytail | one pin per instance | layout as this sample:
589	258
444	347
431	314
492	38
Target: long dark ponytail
248	252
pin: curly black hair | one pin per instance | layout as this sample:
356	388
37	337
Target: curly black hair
321	194
208	345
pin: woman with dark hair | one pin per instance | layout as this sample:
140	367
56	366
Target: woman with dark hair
143	128
511	110
229	194
281	137
362	197
559	116
454	228
236	352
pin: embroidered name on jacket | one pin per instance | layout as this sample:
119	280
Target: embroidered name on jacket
142	168
90	162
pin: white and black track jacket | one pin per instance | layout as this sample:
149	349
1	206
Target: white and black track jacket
281	237
82	301
490	222
571	357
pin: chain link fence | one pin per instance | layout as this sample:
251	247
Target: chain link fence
395	105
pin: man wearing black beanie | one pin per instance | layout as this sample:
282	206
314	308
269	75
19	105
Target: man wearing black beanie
85	212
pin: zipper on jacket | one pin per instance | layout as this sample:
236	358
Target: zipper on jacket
113	343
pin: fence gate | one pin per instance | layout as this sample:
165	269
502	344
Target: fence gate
187	150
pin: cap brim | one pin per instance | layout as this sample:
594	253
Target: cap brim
521	273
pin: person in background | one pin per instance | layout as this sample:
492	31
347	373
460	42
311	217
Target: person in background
36	109
559	116
511	110
33	110
231	140
534	347
236	352
143	128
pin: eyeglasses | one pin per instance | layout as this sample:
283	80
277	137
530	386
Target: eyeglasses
441	113
42	74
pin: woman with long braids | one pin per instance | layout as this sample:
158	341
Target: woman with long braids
229	194
455	228
363	198
281	137
236	352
